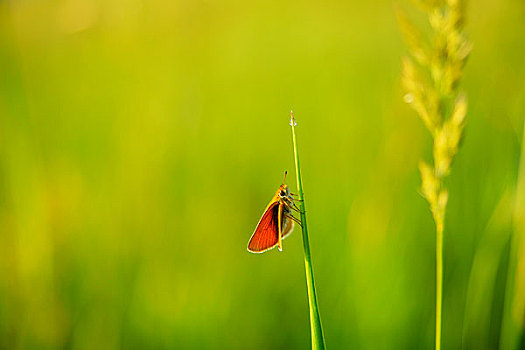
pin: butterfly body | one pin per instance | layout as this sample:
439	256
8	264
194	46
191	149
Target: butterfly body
276	223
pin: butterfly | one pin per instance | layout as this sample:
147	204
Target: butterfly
276	223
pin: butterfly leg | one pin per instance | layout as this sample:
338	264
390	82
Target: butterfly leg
291	206
296	208
279	222
290	216
296	195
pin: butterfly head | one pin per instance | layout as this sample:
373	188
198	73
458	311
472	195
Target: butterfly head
283	191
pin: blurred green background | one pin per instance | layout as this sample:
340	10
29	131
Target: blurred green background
141	140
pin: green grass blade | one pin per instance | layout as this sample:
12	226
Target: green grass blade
513	324
315	319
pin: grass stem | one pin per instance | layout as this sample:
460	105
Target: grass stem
315	319
431	77
439	281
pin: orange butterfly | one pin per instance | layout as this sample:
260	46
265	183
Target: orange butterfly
276	223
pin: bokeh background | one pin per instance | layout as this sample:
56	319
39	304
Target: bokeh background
141	140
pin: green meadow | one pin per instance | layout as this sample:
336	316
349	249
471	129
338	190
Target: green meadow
140	142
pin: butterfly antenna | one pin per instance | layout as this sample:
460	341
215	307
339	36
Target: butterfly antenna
285	173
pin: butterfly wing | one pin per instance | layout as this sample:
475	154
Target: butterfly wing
288	226
266	235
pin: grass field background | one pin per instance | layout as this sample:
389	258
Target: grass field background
141	140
